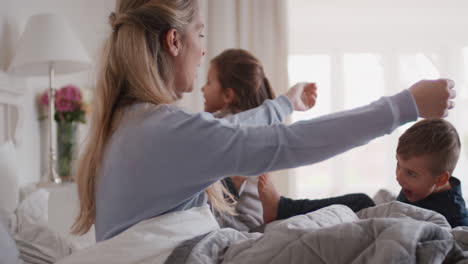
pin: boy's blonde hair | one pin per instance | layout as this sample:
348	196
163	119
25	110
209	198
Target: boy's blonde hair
436	138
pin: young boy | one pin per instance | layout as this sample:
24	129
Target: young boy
427	154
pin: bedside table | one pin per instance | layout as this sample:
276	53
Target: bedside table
63	205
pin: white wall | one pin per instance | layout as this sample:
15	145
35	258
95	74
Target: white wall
355	25
88	18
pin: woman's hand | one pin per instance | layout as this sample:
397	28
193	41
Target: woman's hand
302	96
434	97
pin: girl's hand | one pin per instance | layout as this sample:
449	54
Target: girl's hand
434	97
302	96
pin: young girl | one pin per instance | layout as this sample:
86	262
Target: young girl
236	82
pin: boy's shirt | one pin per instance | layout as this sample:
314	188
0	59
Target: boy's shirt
449	203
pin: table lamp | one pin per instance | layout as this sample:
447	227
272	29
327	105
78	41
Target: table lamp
48	47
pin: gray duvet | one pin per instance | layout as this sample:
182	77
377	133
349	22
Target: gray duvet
388	233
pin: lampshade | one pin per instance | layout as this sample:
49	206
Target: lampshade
48	39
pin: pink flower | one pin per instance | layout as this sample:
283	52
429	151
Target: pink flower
64	105
68	99
70	92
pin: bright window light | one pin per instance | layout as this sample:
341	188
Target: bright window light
313	68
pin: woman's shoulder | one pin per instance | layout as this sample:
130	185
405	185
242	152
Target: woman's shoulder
176	110
167	114
148	110
167	123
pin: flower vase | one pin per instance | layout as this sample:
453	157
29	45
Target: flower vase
66	141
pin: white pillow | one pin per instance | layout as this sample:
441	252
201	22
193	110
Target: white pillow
34	239
9	175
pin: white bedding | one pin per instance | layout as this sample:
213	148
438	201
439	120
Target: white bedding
36	241
27	220
389	232
150	241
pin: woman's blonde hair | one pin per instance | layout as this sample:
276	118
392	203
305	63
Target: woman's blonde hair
134	67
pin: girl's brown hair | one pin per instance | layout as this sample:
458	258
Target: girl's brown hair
241	71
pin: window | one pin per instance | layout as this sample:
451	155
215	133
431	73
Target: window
359	53
317	68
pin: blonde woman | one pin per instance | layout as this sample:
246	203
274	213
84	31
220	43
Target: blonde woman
147	158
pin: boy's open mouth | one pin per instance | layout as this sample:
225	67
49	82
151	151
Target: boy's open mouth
407	192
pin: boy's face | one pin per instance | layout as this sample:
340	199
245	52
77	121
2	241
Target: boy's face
415	178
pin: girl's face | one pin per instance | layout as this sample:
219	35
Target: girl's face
190	57
215	98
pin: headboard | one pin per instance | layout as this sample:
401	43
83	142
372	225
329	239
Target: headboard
10	110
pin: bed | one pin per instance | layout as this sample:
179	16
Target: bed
389	233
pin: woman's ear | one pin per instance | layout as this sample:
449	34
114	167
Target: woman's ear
172	42
443	178
229	96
